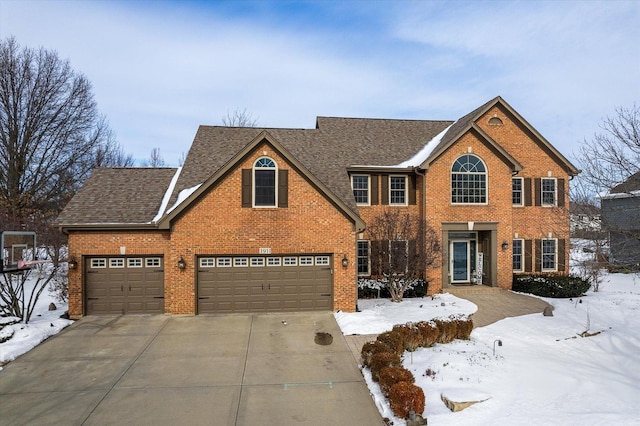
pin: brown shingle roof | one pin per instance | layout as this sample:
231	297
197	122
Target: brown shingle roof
118	196
629	185
326	151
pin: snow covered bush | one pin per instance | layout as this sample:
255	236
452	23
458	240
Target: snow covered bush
410	335
379	288
371	348
389	376
382	360
393	340
404	398
551	285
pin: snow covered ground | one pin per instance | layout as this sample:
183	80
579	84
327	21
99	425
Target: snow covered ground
43	324
544	373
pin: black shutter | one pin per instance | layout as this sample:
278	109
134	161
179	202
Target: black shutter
538	191
561	254
283	188
561	192
528	255
246	187
412	190
385	189
527	192
374	190
538	255
376	267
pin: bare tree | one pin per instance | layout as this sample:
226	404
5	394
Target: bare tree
403	246
239	118
49	129
111	154
614	154
155	159
609	159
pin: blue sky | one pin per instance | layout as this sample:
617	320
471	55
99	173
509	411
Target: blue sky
160	69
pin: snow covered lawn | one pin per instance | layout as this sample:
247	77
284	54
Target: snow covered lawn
544	373
43	324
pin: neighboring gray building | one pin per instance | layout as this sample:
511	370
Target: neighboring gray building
621	217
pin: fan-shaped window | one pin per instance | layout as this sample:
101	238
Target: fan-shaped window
495	121
468	180
264	183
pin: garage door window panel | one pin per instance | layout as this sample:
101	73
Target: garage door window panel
153	262
223	262
134	262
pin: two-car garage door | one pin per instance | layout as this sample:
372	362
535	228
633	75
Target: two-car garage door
264	283
135	285
124	285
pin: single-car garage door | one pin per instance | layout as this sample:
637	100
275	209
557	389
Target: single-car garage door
124	285
264	283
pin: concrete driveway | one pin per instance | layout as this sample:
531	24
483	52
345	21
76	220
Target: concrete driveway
253	369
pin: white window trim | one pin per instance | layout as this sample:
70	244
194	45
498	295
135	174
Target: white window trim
134	262
305	261
240	262
114	262
224	262
555	192
406	190
555	255
322	260
274	261
153	262
256	262
286	261
99	263
486	182
521	179
521	255
368	203
368	273
207	262
253	183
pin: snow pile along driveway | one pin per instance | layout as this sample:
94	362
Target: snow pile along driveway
545	372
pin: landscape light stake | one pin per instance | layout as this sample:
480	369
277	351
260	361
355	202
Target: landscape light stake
499	342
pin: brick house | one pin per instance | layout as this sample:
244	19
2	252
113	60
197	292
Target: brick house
275	219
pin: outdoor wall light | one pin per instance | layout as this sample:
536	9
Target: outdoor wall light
181	263
73	263
499	342
505	245
345	261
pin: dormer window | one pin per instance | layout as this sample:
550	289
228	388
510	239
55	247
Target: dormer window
265	185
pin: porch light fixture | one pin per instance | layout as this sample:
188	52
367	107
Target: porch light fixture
505	245
181	263
73	263
345	261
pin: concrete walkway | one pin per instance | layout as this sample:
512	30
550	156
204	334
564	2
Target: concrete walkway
234	370
494	304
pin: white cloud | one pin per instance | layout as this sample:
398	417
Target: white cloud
161	69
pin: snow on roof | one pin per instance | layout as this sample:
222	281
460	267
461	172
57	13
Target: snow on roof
424	153
183	195
167	195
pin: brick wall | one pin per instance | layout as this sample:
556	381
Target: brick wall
109	243
217	224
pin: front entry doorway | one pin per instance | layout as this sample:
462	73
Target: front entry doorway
463	258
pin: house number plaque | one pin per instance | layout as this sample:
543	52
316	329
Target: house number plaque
265	250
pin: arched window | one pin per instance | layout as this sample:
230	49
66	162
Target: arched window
468	180
264	183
